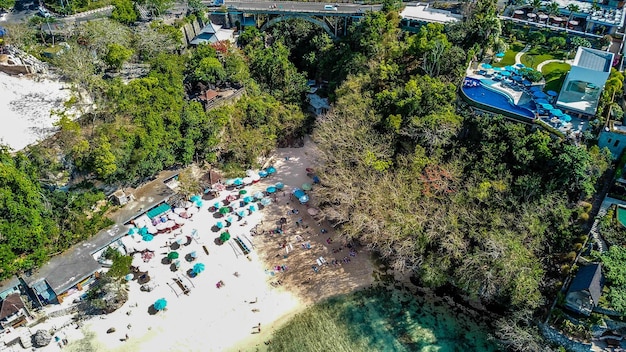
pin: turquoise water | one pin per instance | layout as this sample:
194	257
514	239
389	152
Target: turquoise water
382	320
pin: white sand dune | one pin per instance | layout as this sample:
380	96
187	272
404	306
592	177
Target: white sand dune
221	319
25	106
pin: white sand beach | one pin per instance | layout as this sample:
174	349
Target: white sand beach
222	319
25	106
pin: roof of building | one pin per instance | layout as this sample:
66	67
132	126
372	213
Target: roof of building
593	59
421	12
589	278
11	305
318	102
210	95
211	28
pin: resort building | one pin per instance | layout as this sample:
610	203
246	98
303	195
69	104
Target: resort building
583	84
415	15
586	288
613	136
213	33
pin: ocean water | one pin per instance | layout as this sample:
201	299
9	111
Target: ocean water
378	319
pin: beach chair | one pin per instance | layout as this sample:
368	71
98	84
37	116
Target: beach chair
206	250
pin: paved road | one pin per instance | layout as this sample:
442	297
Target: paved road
294	6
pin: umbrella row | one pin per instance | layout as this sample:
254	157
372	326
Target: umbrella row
251	177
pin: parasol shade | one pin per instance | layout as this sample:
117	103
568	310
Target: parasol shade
160	304
306	186
225	236
224	210
172	255
279	185
198	268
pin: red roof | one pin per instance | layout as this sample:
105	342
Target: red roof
11	305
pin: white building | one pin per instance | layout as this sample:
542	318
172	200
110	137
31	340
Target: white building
583	84
213	33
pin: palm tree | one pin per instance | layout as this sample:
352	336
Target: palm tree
552	8
536	5
572	8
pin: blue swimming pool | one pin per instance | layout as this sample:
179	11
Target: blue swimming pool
496	100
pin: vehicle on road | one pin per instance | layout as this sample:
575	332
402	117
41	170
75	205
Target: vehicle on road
330	7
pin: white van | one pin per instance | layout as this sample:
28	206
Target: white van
330	7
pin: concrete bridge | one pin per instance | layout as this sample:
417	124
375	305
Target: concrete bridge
334	19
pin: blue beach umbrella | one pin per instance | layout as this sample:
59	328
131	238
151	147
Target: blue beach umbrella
279	185
517	78
552	93
259	195
147	237
129	277
500	55
132	231
262	173
520	65
497	69
540	95
266	201
542	101
304	199
510	68
143	231
216	205
219	225
195	198
547	106
270	189
486	66
556	112
505	73
566	118
271	170
252	208
248	199
198	268
241	213
238	181
527	83
535	89
199	203
160	304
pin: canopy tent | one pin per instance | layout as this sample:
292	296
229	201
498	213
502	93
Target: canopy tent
160	304
159	210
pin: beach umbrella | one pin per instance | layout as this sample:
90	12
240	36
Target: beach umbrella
3	31
520	65
133	230
518	78
229	219
225	236
198	268
547	106
180	220
137	260
263	173
216	205
252	208
255	178
241	213
143	268
505	73
527	83
224	210
556	112
304	199
143	231
279	185
219	225
271	170
231	198
218	187
147	237
486	66
540	94
542	101
270	189
199	203
552	93
170	223
238	181
248	199
259	195
566	118
160	304
129	277
497	69
160	226
500	55
535	89
229	182
172	216
152	230
243	191
306	186
247	180
172	255
510	68
266	201
195	198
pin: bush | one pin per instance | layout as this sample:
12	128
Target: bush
578	246
586	206
570	256
583	238
565	268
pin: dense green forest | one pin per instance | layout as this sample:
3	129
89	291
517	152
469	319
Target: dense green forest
488	206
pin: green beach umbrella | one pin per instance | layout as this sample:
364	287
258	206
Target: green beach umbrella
243	191
172	255
224	210
225	236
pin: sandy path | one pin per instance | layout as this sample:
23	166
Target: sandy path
212	319
25	106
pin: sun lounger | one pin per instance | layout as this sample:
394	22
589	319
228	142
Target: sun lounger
206	250
182	286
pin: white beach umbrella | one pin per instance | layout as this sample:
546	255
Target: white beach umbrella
178	210
169	224
192	211
180	220
247	180
152	230
161	226
172	216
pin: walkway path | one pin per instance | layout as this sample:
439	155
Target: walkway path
541	64
518	56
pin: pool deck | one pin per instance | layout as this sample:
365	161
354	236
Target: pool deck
573	129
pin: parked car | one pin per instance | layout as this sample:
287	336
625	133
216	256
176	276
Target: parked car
330	7
43	12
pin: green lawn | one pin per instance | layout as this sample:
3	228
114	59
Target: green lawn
509	55
554	74
537	55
